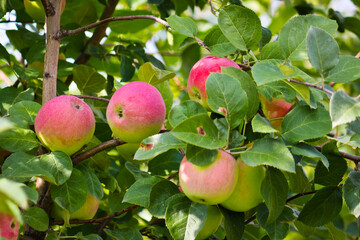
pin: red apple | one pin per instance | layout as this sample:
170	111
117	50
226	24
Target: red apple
136	111
65	123
87	211
275	110
212	223
210	184
199	73
247	193
9	227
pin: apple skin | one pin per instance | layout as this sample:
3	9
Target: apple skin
212	223
199	73
9	227
87	211
35	9
65	123
136	111
275	110
210	184
247	193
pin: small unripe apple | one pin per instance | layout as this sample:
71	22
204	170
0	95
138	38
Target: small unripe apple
136	111
275	110
87	211
210	184
199	73
9	227
35	9
212	223
247	193
65	123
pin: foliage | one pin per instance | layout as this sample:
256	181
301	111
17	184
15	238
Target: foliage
305	54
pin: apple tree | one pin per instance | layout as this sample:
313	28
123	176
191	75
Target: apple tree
253	131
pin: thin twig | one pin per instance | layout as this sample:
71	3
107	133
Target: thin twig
92	97
202	44
311	85
64	33
349	156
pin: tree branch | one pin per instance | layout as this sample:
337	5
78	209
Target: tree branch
311	85
349	156
64	33
92	97
48	7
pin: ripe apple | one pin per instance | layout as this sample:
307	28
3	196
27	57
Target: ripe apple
212	223
9	227
87	211
275	110
199	73
247	193
35	9
136	111
65	123
210	184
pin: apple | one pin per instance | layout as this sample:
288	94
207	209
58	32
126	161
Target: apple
210	184
87	211
35	9
128	150
275	110
136	111
199	73
65	123
9	227
247	193
212	223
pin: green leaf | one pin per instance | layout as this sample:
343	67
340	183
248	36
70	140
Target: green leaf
274	189
18	139
278	229
200	156
58	164
347	70
303	123
157	144
302	149
221	89
124	234
13	191
150	74
185	110
200	131
302	90
24	113
72	194
249	86
10	95
271	51
183	25
5	125
94	187
130	26
185	218
335	233
100	160
292	37
352	24
271	152
3	52
127	69
165	163
234	21
234	224
323	50
166	93
23	166
337	166
324	207
262	125
265	38
139	192
161	194
343	108
218	44
351	191
26	73
87	79
37	218
298	181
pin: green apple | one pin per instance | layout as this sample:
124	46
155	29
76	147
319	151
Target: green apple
65	123
35	9
135	112
212	223
87	211
275	110
247	193
9	227
128	150
210	184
